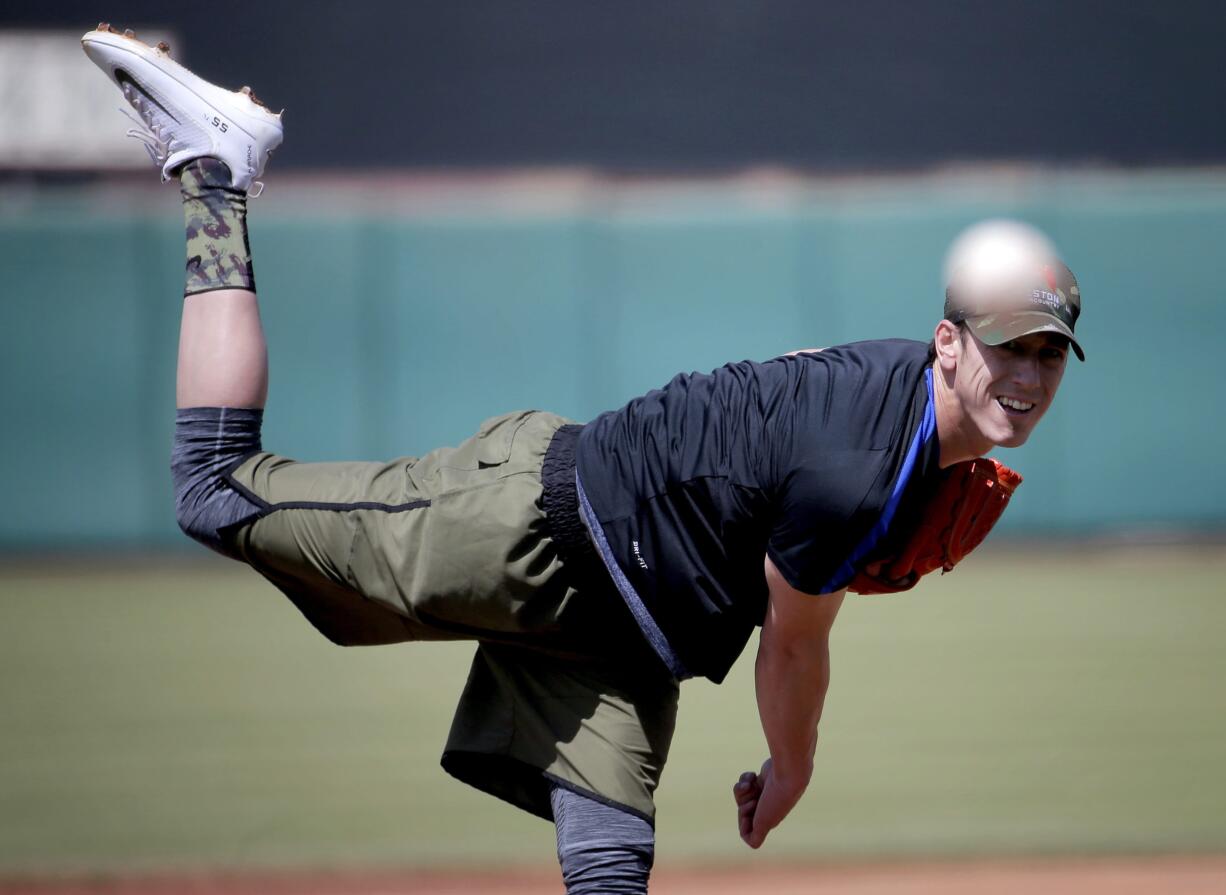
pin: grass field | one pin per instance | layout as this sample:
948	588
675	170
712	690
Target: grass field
159	716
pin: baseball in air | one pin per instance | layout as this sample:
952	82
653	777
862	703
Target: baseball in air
994	256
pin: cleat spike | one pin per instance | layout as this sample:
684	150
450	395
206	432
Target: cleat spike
250	94
128	32
164	47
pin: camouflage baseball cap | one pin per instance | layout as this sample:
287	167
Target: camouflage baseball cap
1045	298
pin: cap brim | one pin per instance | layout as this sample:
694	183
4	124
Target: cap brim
996	329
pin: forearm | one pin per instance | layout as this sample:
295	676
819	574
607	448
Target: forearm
792	675
791	684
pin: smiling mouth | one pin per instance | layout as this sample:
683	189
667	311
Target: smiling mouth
1013	405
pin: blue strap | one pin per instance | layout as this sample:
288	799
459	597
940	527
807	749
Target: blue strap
926	430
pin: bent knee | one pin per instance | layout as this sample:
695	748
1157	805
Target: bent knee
209	442
210	520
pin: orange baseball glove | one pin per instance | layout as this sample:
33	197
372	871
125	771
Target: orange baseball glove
956	520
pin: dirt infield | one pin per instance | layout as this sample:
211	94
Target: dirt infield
1129	876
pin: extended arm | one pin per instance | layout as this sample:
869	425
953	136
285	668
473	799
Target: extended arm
792	673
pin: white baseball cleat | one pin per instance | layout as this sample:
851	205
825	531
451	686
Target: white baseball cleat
183	117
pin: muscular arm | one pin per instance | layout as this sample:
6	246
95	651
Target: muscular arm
792	673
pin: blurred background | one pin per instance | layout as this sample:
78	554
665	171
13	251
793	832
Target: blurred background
487	205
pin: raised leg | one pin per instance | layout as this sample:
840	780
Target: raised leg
217	142
223	361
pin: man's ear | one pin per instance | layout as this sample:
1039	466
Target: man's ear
948	340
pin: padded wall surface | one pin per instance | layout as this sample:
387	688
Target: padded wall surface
397	326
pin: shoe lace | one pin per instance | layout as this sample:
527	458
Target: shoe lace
150	128
158	150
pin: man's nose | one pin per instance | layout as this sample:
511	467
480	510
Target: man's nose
1026	373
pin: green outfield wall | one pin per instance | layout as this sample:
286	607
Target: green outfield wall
402	312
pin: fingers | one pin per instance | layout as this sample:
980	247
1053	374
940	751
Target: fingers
746	782
753	831
747	789
746	793
751	836
744	826
744	816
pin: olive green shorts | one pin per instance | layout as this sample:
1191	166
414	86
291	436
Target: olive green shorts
456	545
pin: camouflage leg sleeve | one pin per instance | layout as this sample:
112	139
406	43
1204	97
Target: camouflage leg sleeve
218	254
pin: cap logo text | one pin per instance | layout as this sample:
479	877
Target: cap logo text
1050	299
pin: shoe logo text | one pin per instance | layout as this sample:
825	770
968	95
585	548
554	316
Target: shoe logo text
219	124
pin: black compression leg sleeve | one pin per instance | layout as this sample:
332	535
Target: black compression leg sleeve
209	442
602	849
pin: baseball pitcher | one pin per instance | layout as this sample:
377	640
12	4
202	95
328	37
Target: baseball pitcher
597	566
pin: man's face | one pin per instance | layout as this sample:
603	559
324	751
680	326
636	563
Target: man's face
1005	389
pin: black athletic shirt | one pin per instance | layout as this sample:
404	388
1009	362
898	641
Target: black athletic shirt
816	459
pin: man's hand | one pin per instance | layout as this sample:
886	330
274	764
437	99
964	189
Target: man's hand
762	801
791	675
